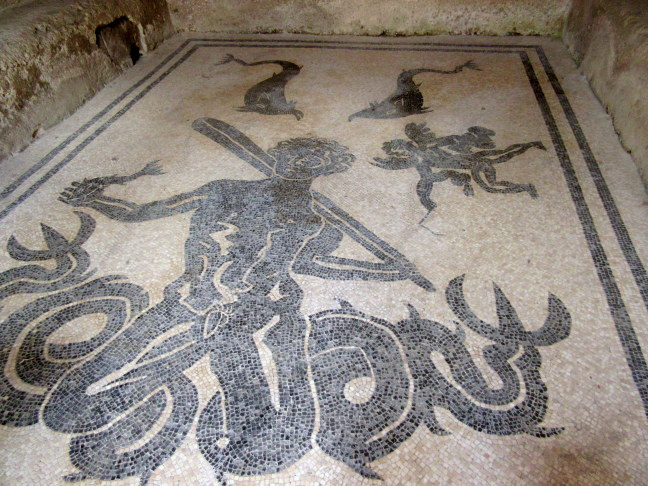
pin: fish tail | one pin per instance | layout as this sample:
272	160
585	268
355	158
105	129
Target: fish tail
152	168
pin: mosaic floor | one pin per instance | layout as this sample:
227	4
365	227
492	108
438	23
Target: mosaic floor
327	261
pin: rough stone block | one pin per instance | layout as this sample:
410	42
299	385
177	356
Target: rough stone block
367	17
53	58
609	38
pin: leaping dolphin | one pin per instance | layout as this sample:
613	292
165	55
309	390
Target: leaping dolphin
407	99
268	97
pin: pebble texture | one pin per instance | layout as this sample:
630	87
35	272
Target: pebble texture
308	260
51	59
367	17
609	39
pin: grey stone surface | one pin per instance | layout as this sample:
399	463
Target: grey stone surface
52	62
367	17
609	38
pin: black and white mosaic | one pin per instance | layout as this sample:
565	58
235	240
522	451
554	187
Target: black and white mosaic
288	335
110	392
407	99
451	154
268	97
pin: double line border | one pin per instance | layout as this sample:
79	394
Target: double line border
618	310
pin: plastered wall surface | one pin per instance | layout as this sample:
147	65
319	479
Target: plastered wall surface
609	38
371	17
51	61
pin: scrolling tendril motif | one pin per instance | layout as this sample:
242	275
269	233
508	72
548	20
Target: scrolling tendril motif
123	395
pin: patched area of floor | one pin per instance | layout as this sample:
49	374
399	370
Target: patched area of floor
324	261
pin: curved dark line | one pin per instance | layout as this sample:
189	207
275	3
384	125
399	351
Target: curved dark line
623	237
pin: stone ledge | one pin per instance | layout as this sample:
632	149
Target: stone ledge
52	62
366	17
609	39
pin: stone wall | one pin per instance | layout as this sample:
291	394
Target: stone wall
54	54
609	39
372	17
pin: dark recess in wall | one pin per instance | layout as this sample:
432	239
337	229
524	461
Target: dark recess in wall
120	39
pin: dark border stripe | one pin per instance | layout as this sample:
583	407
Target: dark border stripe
623	237
54	152
94	135
622	322
361	43
355	48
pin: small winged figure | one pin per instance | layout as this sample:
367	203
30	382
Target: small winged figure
462	159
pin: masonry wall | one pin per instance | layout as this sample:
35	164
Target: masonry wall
55	54
609	39
372	17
